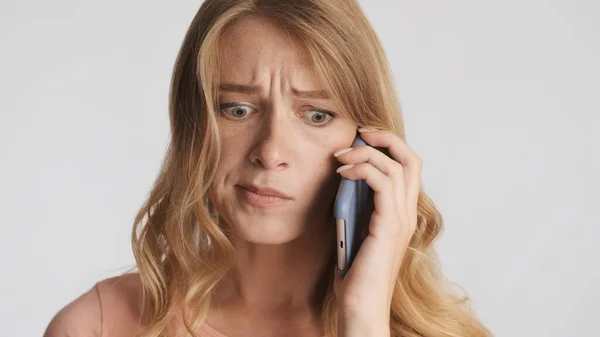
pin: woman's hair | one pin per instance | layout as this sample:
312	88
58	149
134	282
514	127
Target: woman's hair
180	249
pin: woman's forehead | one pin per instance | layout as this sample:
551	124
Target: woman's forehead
255	55
255	49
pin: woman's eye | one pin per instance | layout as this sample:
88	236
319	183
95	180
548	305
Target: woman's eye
240	111
320	117
235	110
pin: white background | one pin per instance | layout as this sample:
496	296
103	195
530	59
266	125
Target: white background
500	100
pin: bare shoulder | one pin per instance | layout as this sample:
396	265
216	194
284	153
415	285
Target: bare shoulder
81	317
110	308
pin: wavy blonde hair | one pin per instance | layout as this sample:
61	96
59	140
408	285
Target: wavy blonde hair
180	249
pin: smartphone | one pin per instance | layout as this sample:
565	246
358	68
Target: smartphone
352	210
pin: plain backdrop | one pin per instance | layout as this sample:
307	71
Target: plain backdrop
500	100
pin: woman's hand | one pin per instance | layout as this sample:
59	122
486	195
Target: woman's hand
365	292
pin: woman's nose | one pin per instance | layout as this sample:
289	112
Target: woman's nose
274	139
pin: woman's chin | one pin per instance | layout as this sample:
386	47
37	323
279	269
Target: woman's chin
266	233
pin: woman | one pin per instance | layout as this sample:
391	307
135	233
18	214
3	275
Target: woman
237	237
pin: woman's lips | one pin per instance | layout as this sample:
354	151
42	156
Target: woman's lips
263	197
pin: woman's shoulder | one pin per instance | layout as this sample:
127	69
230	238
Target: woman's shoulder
110	308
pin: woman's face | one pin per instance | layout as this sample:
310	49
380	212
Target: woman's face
278	136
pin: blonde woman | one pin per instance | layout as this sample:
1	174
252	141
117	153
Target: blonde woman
237	237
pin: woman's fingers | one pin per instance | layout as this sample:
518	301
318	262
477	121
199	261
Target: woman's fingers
409	160
381	185
396	182
382	162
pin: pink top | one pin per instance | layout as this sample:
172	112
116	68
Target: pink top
110	309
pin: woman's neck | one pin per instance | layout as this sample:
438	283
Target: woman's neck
276	278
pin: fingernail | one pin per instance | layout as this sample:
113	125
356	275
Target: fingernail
344	168
338	152
365	130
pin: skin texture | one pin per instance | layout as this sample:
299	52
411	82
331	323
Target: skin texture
272	137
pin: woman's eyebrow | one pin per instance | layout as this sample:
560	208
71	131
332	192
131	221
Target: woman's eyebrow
249	90
239	88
